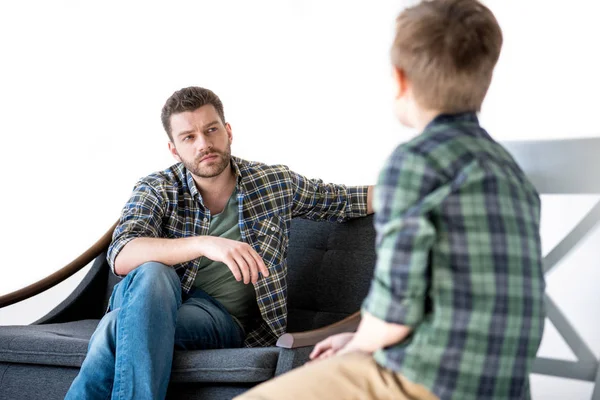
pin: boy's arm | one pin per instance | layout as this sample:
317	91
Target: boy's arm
408	189
313	199
406	192
374	334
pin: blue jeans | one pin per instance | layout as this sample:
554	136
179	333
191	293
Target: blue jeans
131	352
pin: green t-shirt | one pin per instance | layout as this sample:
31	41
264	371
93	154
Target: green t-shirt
216	279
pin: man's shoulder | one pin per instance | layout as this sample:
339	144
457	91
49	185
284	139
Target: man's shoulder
256	169
174	176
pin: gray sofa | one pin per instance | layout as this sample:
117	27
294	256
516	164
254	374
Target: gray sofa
329	272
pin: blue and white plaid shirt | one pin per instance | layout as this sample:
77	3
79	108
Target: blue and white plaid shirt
167	204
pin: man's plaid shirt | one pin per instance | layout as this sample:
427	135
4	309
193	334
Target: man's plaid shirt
459	260
167	204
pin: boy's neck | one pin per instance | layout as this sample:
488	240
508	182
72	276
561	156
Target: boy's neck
422	118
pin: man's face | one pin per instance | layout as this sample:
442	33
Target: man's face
201	141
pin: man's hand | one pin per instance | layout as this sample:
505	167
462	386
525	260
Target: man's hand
331	346
243	261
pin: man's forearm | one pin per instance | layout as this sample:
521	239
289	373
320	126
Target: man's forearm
166	251
374	334
370	190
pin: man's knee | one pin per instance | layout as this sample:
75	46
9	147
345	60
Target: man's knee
155	278
155	271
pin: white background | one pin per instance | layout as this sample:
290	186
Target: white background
305	83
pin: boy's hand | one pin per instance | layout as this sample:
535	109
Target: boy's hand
330	346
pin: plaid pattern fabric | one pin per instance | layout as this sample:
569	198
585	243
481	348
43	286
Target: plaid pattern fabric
459	261
167	204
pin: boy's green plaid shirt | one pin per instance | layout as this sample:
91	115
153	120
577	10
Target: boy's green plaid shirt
459	260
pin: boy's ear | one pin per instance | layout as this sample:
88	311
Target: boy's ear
400	81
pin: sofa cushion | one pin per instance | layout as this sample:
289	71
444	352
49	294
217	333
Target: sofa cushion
66	345
330	266
53	344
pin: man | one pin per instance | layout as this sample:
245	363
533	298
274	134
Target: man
202	248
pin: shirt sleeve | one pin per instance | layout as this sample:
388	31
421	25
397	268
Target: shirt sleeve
405	234
316	200
141	217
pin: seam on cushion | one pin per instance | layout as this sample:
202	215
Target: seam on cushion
3	374
221	369
8	345
40	353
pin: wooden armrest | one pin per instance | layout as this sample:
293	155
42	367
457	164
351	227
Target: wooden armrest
84	259
310	338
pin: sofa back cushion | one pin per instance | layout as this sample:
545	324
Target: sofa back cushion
330	266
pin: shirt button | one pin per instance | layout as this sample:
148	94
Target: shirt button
205	219
273	228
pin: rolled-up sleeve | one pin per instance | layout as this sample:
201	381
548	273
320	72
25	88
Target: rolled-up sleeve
316	200
405	234
141	217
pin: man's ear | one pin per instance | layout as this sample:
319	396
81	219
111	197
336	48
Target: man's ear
400	82
174	152
229	134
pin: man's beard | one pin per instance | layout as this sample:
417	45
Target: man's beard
214	168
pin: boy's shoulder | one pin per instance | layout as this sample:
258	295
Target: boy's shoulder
452	141
454	151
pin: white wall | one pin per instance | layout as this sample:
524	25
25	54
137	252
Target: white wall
304	83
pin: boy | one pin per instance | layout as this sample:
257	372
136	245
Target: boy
455	309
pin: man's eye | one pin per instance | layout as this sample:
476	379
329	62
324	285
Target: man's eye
188	137
210	130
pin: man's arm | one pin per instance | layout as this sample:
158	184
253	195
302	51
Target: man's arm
243	261
166	251
313	199
370	193
137	239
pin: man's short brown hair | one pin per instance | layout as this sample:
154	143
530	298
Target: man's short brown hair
189	99
447	49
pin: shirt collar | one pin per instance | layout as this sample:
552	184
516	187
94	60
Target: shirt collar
191	184
469	117
236	168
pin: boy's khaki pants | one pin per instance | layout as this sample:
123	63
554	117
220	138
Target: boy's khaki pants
351	376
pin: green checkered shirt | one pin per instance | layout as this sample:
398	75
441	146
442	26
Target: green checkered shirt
167	204
459	261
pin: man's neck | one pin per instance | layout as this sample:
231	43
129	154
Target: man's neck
216	191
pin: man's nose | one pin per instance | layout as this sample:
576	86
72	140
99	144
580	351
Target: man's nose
203	144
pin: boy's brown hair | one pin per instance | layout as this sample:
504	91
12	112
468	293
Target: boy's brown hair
447	49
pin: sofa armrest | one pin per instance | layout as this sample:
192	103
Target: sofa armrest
52	280
312	337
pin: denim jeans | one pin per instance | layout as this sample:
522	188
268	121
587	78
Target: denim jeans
131	352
